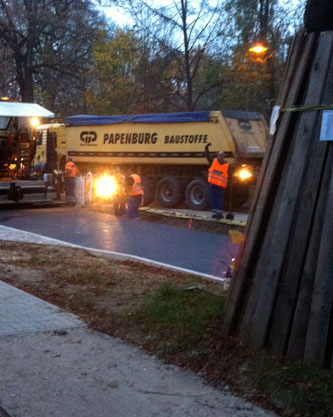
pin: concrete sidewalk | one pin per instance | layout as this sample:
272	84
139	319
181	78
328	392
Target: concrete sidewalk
21	313
53	366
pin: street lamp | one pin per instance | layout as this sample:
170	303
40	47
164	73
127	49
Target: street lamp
258	48
264	55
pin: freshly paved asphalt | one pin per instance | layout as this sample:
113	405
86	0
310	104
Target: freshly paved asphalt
199	251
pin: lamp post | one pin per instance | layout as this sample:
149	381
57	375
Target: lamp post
264	56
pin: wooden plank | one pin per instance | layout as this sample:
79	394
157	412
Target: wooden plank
296	250
294	55
270	263
287	97
300	57
322	298
239	285
284	97
299	240
296	342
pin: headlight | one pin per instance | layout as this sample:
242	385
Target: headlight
34	121
244	174
105	187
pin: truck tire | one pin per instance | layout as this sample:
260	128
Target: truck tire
318	16
197	195
169	192
149	190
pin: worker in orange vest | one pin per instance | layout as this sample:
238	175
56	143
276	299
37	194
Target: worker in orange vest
218	181
71	171
135	194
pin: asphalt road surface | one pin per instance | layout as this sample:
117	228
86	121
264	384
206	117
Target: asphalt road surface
198	251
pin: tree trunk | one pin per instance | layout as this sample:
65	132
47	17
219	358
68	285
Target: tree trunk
187	65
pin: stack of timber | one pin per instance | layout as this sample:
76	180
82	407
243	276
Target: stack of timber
281	296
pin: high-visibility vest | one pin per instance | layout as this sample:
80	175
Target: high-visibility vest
71	170
218	174
137	188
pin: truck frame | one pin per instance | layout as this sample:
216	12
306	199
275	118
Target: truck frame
167	150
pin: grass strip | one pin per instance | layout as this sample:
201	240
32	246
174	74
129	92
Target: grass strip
184	325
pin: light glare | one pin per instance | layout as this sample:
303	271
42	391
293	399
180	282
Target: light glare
258	49
105	187
34	121
244	174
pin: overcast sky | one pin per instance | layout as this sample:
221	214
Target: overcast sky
119	16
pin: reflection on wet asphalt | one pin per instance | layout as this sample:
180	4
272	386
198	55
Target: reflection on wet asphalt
199	251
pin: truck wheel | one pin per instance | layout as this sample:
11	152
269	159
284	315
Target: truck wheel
197	195
149	190
169	192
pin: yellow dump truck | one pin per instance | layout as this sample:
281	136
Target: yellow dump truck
167	150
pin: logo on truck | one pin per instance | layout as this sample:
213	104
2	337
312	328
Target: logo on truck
88	137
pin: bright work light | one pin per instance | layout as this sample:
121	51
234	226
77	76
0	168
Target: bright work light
105	187
34	121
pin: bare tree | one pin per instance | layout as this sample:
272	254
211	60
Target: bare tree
45	38
254	80
184	32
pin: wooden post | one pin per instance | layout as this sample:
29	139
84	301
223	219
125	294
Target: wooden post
301	231
282	294
301	54
299	325
321	306
293	166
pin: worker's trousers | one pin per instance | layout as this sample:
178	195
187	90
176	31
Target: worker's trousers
134	202
70	187
216	198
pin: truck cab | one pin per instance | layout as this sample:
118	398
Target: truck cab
18	145
51	148
18	138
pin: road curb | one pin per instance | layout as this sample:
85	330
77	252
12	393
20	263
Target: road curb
191	215
124	257
190	220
